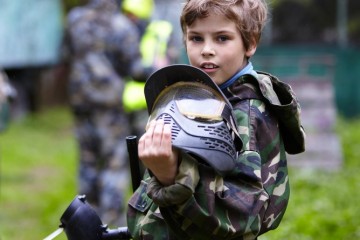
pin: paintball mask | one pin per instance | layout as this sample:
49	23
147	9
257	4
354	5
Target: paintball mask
201	118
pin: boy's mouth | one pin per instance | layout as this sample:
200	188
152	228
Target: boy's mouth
208	66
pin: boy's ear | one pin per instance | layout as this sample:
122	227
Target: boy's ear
251	50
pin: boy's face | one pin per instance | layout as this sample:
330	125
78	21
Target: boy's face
215	45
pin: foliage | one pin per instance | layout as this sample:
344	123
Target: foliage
69	4
38	165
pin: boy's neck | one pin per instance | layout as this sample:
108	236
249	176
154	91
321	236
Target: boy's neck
248	69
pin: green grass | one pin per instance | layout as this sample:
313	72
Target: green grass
325	205
38	169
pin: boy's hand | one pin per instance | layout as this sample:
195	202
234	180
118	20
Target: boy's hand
157	154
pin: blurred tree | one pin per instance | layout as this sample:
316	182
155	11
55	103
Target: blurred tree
301	21
310	22
354	22
313	21
68	4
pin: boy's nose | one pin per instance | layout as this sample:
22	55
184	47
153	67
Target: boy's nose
207	50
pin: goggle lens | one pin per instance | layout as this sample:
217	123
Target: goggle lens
193	100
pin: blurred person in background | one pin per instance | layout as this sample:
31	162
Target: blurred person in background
170	11
103	49
156	48
7	94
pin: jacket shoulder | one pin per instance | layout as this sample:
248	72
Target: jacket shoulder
281	100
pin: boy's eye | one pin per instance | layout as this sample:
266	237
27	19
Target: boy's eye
223	38
195	38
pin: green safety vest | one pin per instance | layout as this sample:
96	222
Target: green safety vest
153	43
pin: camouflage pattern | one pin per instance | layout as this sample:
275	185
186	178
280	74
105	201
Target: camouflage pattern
104	47
246	203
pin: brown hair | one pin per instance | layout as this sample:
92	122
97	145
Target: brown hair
249	16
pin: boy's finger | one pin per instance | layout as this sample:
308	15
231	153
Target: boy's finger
158	132
166	140
150	125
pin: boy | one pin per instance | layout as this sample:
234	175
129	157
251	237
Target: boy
220	37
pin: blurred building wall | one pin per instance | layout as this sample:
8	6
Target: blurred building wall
30	32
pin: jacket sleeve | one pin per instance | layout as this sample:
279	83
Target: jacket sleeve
233	206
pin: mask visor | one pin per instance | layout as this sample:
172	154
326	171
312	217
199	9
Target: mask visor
193	100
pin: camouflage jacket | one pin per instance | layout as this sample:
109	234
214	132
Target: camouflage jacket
248	202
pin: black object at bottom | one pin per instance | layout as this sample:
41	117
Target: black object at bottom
81	222
132	146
